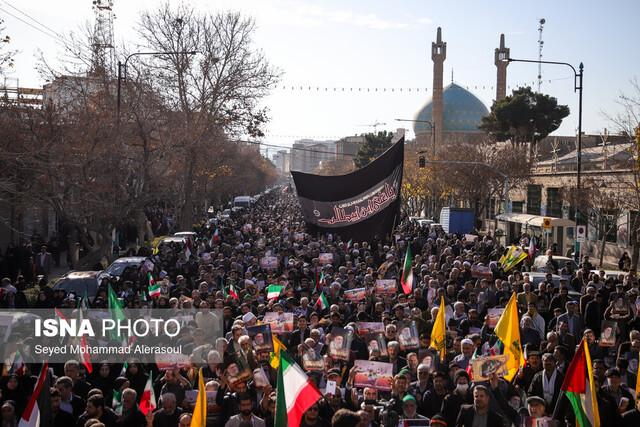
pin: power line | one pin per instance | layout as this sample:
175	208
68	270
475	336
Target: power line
298	148
49	33
32	18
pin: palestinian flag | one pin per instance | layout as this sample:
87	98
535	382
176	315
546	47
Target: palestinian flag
31	414
407	272
322	302
295	393
580	389
154	288
273	291
148	399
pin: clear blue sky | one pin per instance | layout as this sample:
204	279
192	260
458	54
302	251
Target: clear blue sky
377	43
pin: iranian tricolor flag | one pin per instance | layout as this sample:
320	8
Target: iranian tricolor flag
407	272
148	399
580	388
31	415
322	302
154	288
295	395
215	238
273	291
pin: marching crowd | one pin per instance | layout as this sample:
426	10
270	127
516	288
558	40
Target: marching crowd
261	261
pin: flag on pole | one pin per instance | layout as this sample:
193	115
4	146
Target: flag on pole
115	309
16	366
84	354
273	291
512	257
407	272
232	291
215	238
295	393
439	332
508	331
274	357
532	248
578	386
31	414
322	302
154	288
199	418
148	399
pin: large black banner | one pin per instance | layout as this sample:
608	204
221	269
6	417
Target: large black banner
361	205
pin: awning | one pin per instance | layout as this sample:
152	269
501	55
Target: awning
534	220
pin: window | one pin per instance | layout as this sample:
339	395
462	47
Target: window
609	225
517	207
534	199
554	202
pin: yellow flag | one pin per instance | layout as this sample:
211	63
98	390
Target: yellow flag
439	332
275	356
508	331
199	418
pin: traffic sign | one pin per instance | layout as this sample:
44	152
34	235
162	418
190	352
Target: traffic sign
546	223
581	233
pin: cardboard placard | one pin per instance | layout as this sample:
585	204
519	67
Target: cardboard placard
269	263
340	345
376	342
261	337
280	323
481	272
494	315
325	258
378	375
408	337
312	360
355	295
608	333
386	287
484	367
364	328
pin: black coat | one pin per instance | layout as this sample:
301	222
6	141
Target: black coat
467	412
535	388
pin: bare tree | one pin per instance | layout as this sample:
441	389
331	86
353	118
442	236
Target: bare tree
214	93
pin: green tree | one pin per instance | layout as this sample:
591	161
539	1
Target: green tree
524	116
374	145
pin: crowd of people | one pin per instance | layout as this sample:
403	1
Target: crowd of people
332	331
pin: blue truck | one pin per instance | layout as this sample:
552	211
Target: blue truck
457	220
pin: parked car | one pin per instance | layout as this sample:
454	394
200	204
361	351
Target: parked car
187	235
614	274
537	277
80	283
119	265
540	262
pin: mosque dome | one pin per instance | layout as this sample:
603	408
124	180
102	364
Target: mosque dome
462	111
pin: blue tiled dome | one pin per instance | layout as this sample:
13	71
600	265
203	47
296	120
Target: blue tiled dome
463	111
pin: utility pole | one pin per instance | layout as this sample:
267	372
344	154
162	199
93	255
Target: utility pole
540	45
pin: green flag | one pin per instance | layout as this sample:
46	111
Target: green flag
115	309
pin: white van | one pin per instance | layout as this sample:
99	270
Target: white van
242	202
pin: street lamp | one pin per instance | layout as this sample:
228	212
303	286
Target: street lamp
431	125
122	66
577	87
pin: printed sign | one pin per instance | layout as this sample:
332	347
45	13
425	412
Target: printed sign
355	295
378	375
481	272
376	344
261	337
386	287
269	263
608	333
493	315
280	323
364	328
340	344
484	367
312	360
325	258
408	337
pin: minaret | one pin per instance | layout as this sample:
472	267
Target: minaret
438	55
501	54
